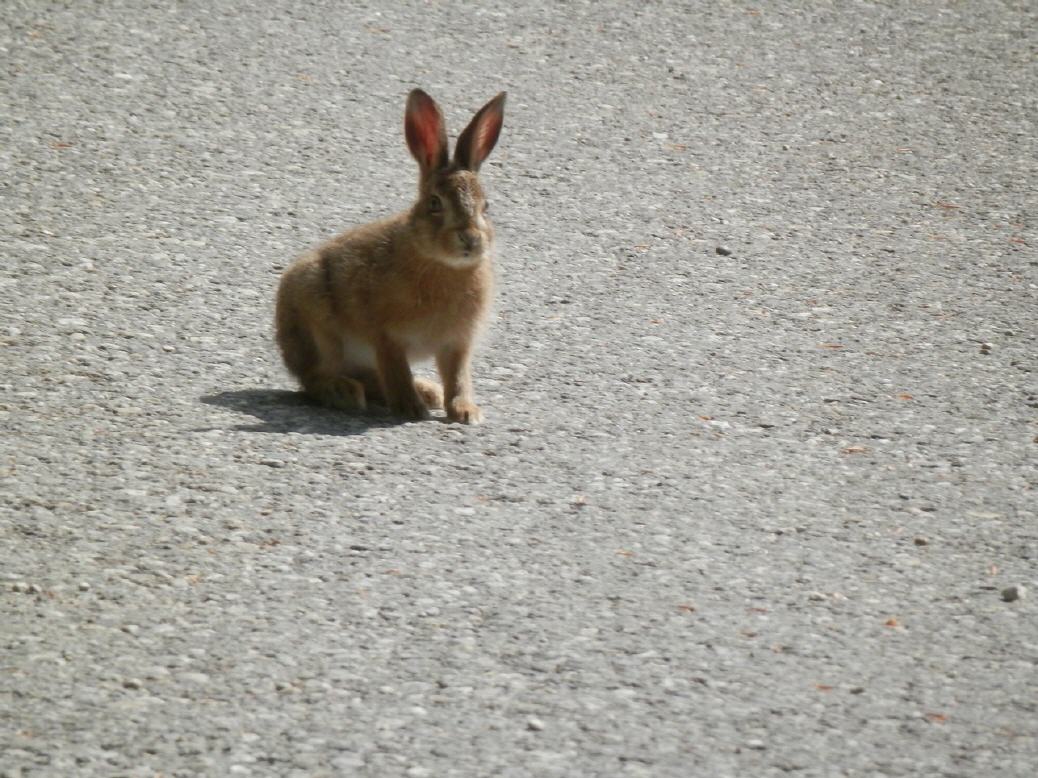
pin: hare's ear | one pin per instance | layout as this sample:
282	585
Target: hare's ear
478	139
425	131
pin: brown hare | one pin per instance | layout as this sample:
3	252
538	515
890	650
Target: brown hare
355	312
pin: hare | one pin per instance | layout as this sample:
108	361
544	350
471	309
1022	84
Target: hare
355	312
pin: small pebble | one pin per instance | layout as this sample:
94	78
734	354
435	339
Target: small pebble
84	586
756	745
1013	593
272	462
724	251
534	724
920	541
132	683
985	348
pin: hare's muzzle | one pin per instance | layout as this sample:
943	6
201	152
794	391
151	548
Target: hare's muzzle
471	241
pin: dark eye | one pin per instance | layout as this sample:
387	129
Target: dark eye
486	207
435	204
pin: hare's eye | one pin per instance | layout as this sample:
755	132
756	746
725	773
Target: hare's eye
486	207
435	204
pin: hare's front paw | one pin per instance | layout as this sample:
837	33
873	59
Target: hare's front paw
464	411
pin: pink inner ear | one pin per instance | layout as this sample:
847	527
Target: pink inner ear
423	132
486	137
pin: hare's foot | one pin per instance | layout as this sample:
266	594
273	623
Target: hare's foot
409	406
341	392
464	411
430	392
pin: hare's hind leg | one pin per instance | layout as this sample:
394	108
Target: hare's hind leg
329	383
311	346
341	391
317	360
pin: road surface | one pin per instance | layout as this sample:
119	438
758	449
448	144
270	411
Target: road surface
760	446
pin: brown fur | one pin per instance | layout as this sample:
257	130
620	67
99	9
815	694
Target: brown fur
354	313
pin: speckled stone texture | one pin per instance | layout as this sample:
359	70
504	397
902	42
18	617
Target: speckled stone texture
746	512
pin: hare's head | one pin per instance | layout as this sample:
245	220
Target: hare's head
451	212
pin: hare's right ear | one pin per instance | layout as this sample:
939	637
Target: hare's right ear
425	131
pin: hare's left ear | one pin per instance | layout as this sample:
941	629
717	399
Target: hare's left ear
478	139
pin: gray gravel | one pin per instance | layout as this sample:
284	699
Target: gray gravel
685	540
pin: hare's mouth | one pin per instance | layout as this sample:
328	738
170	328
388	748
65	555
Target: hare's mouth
464	249
464	259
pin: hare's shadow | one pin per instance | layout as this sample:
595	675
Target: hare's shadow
282	411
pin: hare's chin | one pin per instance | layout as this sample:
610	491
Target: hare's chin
464	260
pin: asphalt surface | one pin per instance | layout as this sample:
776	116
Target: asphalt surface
747	513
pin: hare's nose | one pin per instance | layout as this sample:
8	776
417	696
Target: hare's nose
470	239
